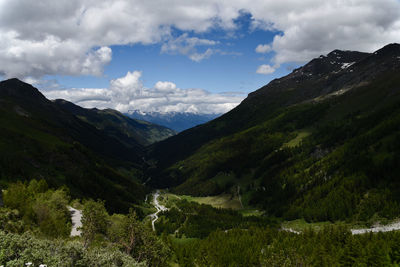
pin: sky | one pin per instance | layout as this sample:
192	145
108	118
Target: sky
201	56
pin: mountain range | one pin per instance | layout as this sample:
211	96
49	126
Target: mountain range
321	143
178	121
95	153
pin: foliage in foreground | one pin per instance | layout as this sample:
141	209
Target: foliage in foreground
16	250
35	226
32	206
124	232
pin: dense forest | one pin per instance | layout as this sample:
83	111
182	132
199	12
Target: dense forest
269	247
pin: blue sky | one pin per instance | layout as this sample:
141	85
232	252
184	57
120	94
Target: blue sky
200	56
234	71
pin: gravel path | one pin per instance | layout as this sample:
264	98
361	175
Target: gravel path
379	228
395	226
76	217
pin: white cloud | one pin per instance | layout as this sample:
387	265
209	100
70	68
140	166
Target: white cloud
263	48
35	58
265	69
200	56
128	87
165	86
82	95
313	27
72	37
128	93
188	46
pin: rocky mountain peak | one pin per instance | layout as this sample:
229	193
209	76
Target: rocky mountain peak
18	89
335	61
390	49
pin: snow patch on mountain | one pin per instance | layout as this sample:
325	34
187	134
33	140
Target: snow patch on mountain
347	65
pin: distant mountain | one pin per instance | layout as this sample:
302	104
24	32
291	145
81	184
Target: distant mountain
178	121
321	143
97	154
115	124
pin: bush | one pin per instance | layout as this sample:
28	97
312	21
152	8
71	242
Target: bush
16	250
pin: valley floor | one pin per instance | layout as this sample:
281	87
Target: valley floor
200	235
225	201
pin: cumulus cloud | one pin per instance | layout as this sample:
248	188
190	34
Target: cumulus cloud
165	86
313	27
128	93
51	55
265	69
74	37
128	87
263	48
188	46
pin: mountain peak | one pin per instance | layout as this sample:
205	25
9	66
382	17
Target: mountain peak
391	49
333	62
18	89
13	82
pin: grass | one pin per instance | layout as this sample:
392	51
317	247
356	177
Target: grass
251	212
167	199
225	201
296	141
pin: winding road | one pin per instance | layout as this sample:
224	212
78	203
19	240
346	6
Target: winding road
159	208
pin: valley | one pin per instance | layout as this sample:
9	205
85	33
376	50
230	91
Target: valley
304	172
193	133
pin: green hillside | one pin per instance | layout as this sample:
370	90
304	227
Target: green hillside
321	143
41	139
129	131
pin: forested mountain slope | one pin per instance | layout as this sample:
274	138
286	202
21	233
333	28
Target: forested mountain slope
320	143
95	156
127	130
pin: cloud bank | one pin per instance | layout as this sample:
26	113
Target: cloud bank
128	93
73	37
